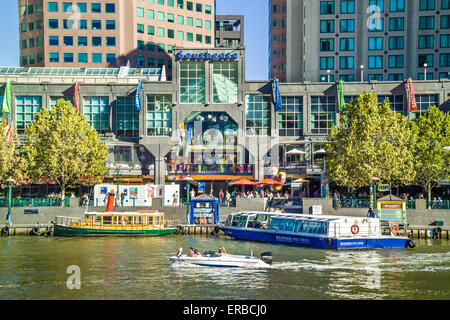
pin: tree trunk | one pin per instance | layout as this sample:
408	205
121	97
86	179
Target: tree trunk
63	195
429	194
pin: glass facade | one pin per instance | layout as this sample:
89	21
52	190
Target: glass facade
159	115
192	82
225	82
290	118
26	108
323	114
258	115
127	118
96	111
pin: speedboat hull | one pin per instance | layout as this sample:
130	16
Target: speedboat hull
223	261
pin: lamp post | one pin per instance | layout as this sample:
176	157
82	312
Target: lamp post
362	72
374	187
328	75
425	65
116	169
9	181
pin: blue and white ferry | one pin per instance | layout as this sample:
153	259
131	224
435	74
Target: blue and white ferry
319	231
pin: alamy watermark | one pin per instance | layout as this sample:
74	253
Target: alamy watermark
74	280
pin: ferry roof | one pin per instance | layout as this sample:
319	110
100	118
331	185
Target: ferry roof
134	213
303	216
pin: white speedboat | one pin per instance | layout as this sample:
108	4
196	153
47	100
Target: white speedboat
212	259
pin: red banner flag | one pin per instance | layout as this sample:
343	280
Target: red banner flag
412	97
8	132
77	85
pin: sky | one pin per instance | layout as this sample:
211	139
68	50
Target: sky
256	23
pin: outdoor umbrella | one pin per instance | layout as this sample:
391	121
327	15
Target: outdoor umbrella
242	182
296	151
268	182
300	180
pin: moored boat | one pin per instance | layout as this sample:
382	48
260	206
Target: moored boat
212	259
320	231
138	223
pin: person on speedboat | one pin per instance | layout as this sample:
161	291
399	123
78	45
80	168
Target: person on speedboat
221	252
179	252
191	252
196	253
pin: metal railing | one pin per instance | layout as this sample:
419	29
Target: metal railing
35	202
352	203
439	204
410	204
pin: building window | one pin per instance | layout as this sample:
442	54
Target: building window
376	6
96	111
347	6
160	16
96	41
190	21
445	41
161	32
141	44
395	61
375	62
207	9
68	40
199	23
82	24
396	43
170	18
395	76
290	118
150	14
26	108
444	60
67	6
96	7
445	22
180	4
376	43
198	7
396	101
82	57
97	58
192	82
326	44
180	19
140	28
346	62
159	115
170	3
151	30
110	7
376	77
53	57
396	24
52	6
445	4
225	82
397	5
426	58
426	42
326	26
258	115
326	7
52	24
24	60
127	118
424	102
110	24
427	23
189	5
82	41
347	77
150	46
180	35
326	63
376	24
323	114
347	25
170	33
53	40
426	5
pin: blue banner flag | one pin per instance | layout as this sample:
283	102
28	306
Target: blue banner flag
137	101
278	99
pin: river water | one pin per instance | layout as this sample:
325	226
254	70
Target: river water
139	268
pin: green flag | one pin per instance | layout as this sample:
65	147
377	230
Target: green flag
342	105
7	98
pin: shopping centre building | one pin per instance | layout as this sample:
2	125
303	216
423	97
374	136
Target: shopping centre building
208	122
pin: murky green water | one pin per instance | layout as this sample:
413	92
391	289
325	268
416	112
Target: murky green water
139	268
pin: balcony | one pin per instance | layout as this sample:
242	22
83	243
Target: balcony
216	169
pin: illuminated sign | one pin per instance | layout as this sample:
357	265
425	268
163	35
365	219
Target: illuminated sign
206	56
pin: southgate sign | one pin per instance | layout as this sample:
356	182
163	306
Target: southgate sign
206	56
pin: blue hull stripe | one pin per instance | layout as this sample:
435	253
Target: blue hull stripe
266	235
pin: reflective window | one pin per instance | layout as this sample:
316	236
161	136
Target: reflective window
127	118
192	82
159	115
225	81
258	114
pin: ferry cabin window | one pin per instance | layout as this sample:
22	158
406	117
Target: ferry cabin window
127	220
282	224
235	220
97	220
242	221
107	220
314	227
251	221
115	220
137	220
157	220
150	220
229	219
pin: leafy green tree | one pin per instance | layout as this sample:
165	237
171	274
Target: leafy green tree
431	157
373	142
61	146
11	163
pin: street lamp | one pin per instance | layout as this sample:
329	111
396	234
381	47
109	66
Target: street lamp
328	75
323	181
425	65
116	169
374	179
362	72
10	181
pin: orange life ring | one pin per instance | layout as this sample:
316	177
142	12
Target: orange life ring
355	229
394	228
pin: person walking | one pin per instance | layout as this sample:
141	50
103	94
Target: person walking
370	213
221	196
228	198
122	198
